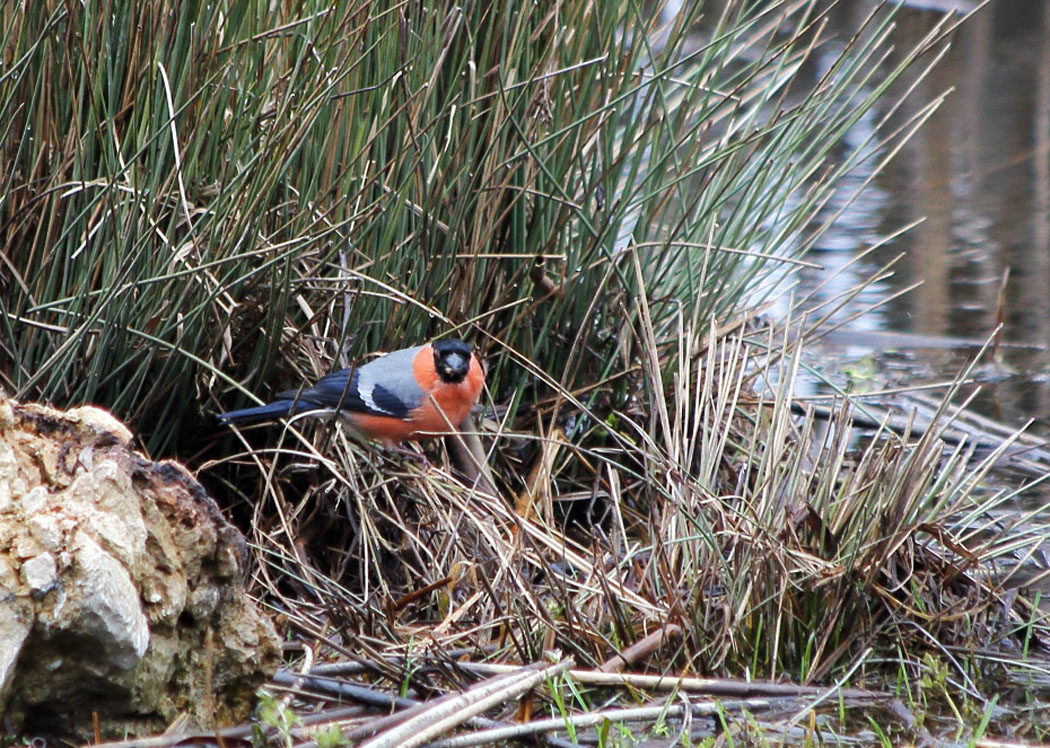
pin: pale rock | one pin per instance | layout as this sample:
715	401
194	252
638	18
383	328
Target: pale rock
7	414
106	607
96	419
47	531
114	573
16	621
35	500
40	573
7	467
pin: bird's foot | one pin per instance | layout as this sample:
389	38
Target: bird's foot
408	454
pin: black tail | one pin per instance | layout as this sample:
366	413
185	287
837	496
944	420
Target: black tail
270	412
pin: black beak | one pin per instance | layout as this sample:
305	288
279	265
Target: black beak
455	365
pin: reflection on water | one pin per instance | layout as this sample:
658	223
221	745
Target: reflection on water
978	174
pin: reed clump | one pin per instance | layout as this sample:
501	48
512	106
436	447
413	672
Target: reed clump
206	203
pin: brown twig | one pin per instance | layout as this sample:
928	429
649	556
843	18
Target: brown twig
545	287
641	649
538	481
470	458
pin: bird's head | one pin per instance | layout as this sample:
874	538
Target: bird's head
452	360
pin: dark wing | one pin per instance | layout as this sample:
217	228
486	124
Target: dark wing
246	416
385	386
335	390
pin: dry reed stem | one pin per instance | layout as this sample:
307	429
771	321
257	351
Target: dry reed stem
435	720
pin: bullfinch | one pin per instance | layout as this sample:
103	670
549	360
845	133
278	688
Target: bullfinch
408	394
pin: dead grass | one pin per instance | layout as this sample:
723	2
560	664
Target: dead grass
203	206
706	529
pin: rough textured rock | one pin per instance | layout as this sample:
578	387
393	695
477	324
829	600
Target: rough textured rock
121	588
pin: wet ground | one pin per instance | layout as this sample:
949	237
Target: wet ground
975	181
978	176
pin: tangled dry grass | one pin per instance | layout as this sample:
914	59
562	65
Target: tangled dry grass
205	200
709	530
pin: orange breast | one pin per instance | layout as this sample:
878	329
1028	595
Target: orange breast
382	428
454	400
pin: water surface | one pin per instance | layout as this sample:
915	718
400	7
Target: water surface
978	176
